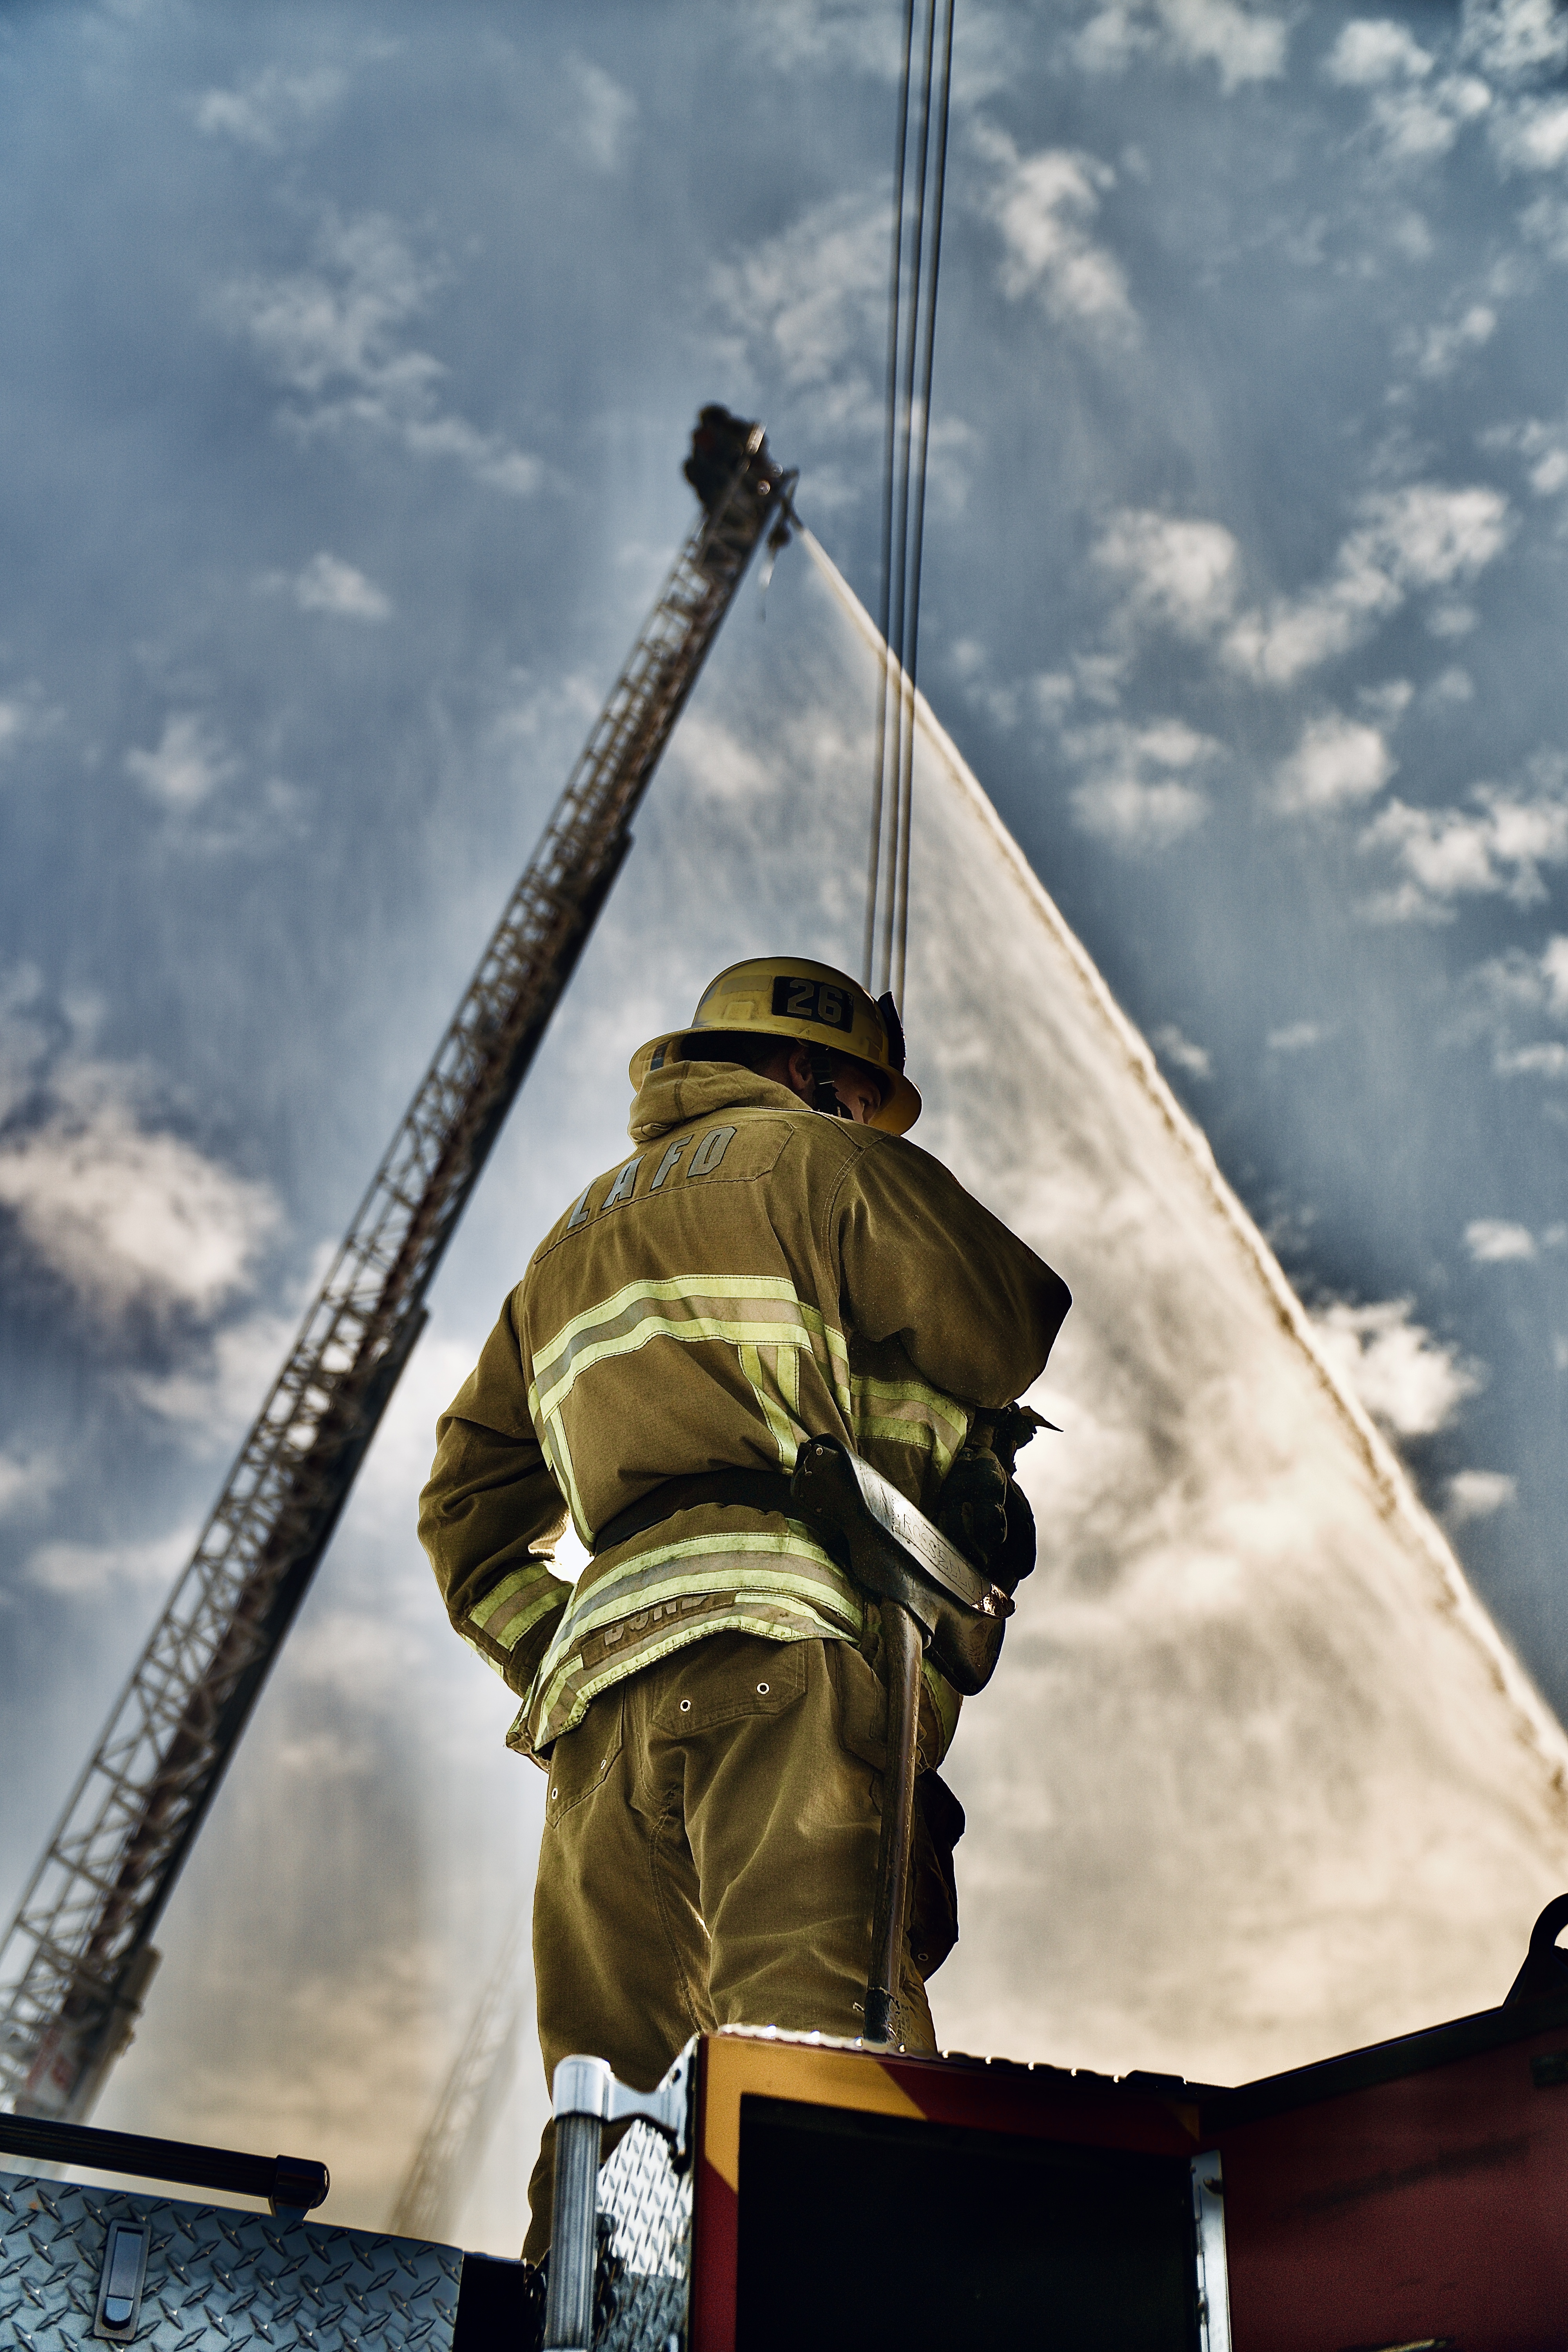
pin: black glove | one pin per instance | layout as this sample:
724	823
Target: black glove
973	1509
1016	1557
982	1509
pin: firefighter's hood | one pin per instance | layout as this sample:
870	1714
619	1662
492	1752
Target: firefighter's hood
680	1090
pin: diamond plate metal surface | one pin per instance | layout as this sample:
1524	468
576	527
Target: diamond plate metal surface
644	2247
217	2278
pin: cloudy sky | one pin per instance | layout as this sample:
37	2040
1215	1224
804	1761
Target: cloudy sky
347	354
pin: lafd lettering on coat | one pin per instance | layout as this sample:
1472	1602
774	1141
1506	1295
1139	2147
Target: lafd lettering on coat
686	1159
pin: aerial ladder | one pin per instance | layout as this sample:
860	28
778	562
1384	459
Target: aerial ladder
447	2159
78	1956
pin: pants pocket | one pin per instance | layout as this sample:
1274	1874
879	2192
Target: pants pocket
580	1761
863	1707
726	1678
862	1703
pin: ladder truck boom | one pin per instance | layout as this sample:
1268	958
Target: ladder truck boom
78	1957
450	2155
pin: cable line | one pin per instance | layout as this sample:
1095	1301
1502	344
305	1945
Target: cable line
919	188
888	470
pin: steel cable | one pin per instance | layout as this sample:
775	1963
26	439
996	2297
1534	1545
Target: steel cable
912	340
888	470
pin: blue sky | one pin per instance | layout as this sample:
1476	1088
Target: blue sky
347	354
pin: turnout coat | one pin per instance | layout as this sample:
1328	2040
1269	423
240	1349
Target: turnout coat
754	1274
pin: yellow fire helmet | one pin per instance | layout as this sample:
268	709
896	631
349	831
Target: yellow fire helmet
790	996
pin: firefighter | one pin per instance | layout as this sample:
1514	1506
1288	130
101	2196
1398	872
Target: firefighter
771	1263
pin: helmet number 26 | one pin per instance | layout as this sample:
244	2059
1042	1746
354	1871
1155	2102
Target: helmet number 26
812	1000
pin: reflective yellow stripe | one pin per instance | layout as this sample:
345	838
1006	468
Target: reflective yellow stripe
542	1721
506	1627
558	1453
769	1331
764	1311
783	1425
483	1611
908	1412
640	1586
650	1323
767	1598
675	1290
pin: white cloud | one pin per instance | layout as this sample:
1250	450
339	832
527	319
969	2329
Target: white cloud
1043	206
1387	703
22	714
1428	536
1532	138
1052	692
1438	351
129	1216
1419	124
1172	1046
1337	760
190	763
1536	981
328	584
984	691
216	1391
334	336
1545	224
1449	854
1541	443
810	303
1112	37
1098	678
1518	982
1479	1494
1407	1380
1130	795
1373	49
1543	1061
1181	574
1409	236
1296	634
264	109
217	1387
1421	536
605	113
1137	814
80	1571
856	34
1493	1240
1417	119
1246	43
1512	38
1297	1037
27	1482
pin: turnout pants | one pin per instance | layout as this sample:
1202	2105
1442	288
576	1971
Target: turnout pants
709	1859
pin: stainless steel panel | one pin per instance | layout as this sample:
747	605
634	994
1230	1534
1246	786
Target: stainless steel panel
217	2278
